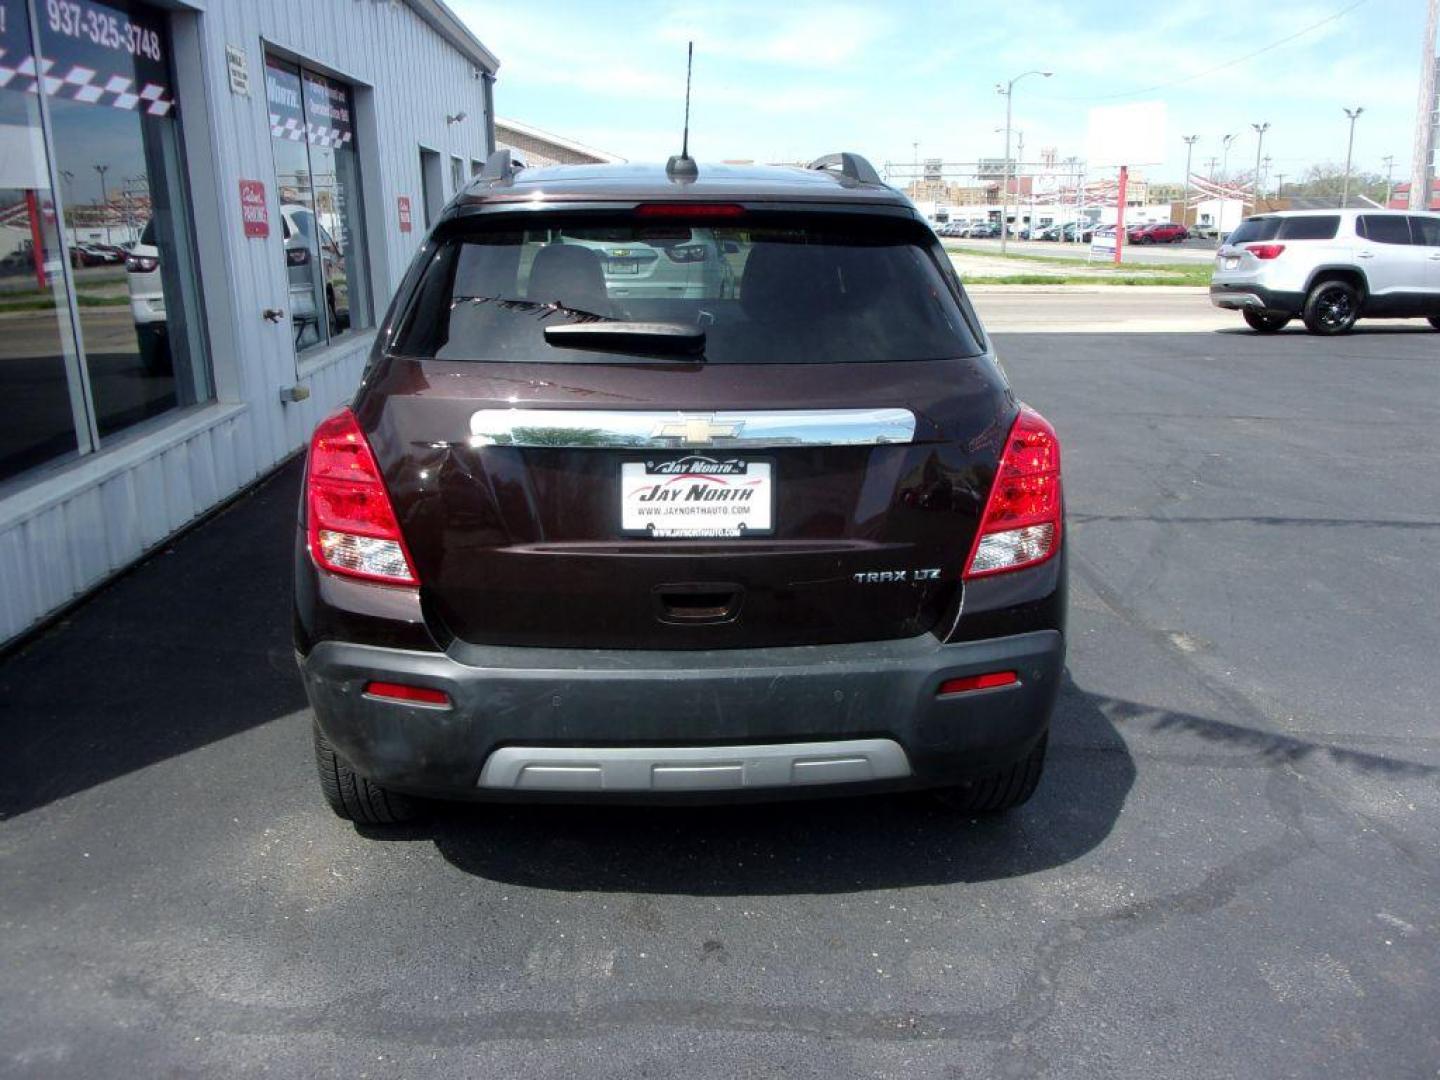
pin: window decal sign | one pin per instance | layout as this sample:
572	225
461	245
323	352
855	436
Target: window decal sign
403	202
282	90
93	53
254	210
312	109
327	110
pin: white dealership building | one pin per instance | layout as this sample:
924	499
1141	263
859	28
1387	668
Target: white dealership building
205	206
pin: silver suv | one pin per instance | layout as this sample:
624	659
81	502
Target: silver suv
1329	268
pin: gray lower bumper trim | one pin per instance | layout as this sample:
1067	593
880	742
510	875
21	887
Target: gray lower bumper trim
693	768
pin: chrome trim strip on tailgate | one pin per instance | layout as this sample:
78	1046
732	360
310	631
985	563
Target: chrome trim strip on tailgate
675	429
693	768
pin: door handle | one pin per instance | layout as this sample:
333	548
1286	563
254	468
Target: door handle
1365	255
1435	257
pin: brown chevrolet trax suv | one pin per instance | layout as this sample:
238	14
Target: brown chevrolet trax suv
772	528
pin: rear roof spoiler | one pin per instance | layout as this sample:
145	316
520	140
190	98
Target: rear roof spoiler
852	167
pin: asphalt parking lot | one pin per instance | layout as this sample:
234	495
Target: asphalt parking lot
1231	869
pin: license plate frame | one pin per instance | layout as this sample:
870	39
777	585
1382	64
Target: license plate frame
667	471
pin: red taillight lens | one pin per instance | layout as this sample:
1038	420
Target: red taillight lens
1265	251
989	681
352	526
1021	524
419	695
689	210
140	264
297	256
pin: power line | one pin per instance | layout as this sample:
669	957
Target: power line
1228	63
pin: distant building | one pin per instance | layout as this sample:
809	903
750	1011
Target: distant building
1400	197
539	147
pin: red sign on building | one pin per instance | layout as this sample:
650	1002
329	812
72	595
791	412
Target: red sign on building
404	204
254	210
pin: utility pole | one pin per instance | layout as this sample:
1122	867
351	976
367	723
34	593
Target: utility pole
1422	167
1260	130
1008	90
1210	171
1389	160
1280	185
1353	114
1190	141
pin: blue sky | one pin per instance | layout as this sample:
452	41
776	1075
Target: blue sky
778	80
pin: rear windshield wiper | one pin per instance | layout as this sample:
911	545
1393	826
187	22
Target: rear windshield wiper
660	338
602	333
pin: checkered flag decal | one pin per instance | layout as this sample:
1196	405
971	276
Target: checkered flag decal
296	130
79	84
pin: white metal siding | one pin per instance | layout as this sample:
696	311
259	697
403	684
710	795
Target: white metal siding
68	531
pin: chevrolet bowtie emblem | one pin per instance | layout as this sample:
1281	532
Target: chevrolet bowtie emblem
697	430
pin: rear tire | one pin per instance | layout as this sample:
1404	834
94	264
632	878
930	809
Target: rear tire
1265	322
356	799
1001	790
1332	308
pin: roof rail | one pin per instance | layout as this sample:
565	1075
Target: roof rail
501	167
851	166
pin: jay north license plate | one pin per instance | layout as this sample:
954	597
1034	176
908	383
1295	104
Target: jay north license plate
696	496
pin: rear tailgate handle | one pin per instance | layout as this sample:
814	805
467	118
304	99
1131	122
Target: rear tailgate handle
693	603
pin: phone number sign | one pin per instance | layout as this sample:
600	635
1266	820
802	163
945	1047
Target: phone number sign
92	53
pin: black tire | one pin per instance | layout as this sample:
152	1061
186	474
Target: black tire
356	799
1265	322
1003	790
1435	321
1332	307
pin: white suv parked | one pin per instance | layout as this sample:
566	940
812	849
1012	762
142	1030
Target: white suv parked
1329	268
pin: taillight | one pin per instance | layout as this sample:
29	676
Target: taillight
297	256
1265	251
140	264
686	253
352	526
1021	524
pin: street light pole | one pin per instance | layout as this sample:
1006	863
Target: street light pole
1009	91
104	200
1260	130
1353	114
1224	172
1190	141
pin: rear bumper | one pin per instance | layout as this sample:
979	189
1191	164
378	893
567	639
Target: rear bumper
561	723
1240	295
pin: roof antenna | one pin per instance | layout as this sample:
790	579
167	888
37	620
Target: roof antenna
683	168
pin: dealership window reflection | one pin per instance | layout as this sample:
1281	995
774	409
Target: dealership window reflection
118	155
37	411
317	175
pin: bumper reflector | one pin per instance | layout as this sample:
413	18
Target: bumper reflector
411	695
989	681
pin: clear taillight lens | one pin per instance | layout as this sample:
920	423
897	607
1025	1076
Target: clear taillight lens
686	253
1021	524
352	526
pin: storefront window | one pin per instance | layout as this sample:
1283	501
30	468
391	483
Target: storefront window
317	175
91	176
37	411
116	143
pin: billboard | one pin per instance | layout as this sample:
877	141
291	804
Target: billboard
1126	135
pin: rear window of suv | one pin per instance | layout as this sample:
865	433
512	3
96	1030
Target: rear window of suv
1311	227
765	289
